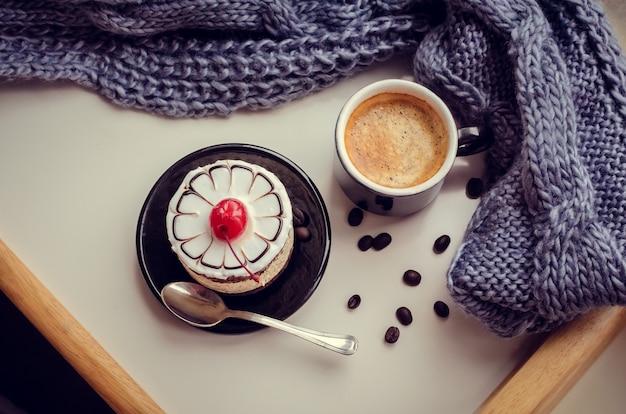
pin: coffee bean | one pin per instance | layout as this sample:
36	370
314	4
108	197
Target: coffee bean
303	234
441	244
412	277
381	241
392	334
404	315
441	309
300	218
354	301
355	217
365	242
474	188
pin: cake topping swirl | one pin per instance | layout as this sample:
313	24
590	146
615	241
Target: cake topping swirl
254	204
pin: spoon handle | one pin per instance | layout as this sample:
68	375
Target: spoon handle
343	344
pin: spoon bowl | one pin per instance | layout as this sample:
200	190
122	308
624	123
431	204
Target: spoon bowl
203	308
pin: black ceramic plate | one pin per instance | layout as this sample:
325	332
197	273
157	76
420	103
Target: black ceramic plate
309	258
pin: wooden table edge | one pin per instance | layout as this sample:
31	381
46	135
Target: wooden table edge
541	381
70	338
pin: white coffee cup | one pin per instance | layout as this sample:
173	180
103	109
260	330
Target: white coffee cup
398	194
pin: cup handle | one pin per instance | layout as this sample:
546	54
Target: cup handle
472	141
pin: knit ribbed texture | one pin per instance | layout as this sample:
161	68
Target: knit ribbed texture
547	78
547	241
195	58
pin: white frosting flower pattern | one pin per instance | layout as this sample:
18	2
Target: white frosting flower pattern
267	206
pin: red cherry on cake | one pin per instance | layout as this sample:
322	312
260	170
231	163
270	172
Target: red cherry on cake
228	219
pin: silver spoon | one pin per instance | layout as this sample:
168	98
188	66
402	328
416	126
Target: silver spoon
202	307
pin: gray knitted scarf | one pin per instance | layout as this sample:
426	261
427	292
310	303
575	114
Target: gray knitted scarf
546	77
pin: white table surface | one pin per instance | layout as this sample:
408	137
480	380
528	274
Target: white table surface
74	172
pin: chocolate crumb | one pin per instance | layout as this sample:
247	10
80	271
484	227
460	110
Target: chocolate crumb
303	234
300	218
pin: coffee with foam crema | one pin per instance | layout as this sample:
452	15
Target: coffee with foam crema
396	140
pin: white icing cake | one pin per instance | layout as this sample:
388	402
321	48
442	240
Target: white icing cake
269	222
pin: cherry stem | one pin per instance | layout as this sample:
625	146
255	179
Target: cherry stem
230	246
